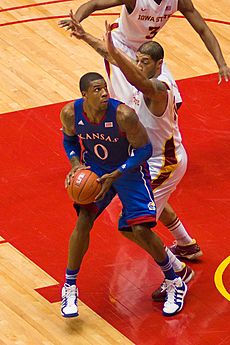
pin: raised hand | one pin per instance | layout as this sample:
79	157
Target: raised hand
76	28
66	23
108	38
71	24
224	72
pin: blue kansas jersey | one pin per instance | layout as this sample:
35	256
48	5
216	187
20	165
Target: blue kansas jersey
104	144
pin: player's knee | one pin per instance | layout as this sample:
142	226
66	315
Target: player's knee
140	231
85	221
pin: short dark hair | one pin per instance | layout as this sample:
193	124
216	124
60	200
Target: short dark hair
87	78
153	49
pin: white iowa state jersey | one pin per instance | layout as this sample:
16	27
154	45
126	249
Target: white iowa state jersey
144	22
163	131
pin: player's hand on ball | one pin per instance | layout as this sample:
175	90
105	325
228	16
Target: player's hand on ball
72	172
107	181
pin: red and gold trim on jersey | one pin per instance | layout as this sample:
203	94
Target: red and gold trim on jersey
169	164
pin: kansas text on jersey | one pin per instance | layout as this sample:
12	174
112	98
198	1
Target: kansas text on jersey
103	143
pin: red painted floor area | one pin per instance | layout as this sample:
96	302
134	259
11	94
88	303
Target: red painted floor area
117	278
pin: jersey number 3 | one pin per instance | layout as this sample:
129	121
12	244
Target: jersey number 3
152	32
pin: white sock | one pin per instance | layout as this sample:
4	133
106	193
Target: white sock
176	263
179	233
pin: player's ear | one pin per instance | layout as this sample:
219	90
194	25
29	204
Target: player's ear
83	94
159	63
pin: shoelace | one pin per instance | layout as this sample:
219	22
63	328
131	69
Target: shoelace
163	286
70	294
170	290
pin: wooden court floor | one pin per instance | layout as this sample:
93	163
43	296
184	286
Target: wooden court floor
40	66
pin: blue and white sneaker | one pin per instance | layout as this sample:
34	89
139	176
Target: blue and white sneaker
69	307
175	293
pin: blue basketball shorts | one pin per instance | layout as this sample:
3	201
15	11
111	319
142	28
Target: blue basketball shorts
135	192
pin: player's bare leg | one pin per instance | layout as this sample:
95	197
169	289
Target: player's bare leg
149	241
177	265
184	247
174	286
182	270
78	246
79	239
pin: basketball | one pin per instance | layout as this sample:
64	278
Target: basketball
83	187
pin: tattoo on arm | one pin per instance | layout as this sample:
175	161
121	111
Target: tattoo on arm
67	119
103	52
159	85
99	46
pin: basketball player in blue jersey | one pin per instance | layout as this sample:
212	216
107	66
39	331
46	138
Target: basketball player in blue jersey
107	129
169	159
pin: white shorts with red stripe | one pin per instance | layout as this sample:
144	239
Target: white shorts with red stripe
166	178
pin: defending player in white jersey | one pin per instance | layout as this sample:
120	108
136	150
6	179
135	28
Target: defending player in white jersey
139	22
169	160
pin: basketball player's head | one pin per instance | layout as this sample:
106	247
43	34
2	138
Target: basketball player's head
94	90
149	58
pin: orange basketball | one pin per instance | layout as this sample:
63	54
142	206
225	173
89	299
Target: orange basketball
83	187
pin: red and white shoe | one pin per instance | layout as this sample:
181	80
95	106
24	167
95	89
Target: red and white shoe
190	251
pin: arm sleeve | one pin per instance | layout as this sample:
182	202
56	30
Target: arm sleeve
71	145
137	157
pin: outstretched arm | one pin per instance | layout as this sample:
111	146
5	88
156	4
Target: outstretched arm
89	7
95	5
153	88
197	22
97	44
